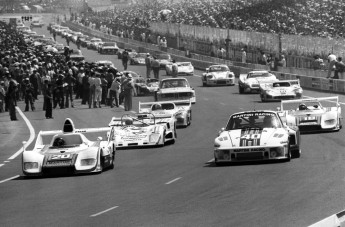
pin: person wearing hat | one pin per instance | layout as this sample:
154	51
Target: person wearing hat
129	91
29	95
148	60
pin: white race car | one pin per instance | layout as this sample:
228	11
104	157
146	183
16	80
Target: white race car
175	89
250	82
183	69
312	114
69	151
143	130
218	75
181	110
279	90
256	136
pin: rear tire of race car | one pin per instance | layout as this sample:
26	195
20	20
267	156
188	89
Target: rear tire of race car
262	98
204	84
111	166
240	89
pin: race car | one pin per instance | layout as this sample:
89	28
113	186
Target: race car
137	59
279	90
312	114
38	24
175	89
163	59
93	43
106	63
147	87
182	110
183	69
76	55
218	75
142	130
250	82
256	136
108	48
131	53
69	151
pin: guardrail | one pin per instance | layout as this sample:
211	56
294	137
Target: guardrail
309	79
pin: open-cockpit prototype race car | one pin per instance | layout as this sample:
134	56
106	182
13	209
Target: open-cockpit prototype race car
312	114
256	136
68	151
280	90
180	109
143	130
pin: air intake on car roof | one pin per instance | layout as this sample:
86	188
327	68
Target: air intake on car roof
68	126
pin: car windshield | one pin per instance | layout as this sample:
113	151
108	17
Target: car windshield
163	56
282	84
140	55
66	140
261	74
218	69
254	120
108	44
174	83
184	64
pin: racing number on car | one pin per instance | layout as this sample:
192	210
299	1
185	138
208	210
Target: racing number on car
61	156
251	136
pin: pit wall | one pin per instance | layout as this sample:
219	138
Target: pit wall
309	78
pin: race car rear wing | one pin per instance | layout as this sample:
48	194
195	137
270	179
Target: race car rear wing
332	99
269	84
146	107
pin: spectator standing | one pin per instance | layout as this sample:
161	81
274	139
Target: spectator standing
104	85
92	90
86	89
125	59
48	101
155	67
282	61
339	69
29	95
244	55
78	42
67	40
114	92
11	99
69	82
123	81
158	40
318	62
331	60
2	96
58	92
98	90
129	91
148	65
174	69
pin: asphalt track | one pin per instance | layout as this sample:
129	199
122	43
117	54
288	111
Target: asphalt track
176	185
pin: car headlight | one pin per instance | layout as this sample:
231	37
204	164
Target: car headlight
209	77
87	162
154	138
330	122
231	75
276	152
30	165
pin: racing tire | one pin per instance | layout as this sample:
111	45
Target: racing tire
240	89
111	166
263	99
296	154
340	124
101	159
175	132
188	121
204	84
163	139
288	159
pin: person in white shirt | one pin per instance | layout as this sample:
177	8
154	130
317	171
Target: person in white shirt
98	90
331	59
92	91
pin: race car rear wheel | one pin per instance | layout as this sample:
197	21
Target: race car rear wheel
262	98
111	166
240	89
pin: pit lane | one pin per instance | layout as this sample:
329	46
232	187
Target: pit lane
297	193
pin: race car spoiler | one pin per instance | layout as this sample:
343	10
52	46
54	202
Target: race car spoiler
149	105
334	99
268	84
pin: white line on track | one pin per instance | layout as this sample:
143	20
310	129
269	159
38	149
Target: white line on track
8	179
2	165
221	103
102	212
172	181
32	134
6	161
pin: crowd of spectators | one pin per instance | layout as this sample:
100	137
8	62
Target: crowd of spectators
28	70
304	17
